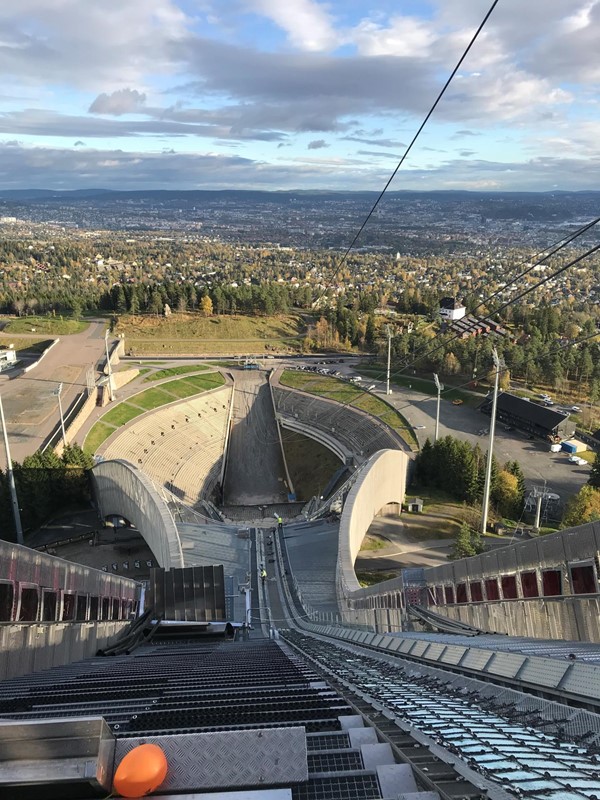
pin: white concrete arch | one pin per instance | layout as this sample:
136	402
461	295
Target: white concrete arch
382	482
121	489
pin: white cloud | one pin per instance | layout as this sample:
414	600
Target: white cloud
307	24
404	37
86	44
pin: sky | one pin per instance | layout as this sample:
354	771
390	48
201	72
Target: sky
298	94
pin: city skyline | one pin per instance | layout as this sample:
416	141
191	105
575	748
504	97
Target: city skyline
301	95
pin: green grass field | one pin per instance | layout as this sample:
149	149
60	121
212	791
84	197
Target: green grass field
54	326
347	393
98	434
121	414
147	400
193	333
168	373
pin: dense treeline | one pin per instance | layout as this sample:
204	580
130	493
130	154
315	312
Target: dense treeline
46	485
459	468
539	348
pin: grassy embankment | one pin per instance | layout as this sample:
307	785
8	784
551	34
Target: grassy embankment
49	326
347	393
197	335
441	519
172	371
146	401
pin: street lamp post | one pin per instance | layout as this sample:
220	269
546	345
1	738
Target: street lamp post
58	393
488	471
111	395
439	386
11	480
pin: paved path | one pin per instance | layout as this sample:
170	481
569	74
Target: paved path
255	472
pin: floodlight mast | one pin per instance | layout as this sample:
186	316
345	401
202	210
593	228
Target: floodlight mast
58	393
488	471
11	480
389	359
111	395
440	387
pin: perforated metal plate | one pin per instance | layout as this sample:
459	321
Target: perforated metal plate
268	756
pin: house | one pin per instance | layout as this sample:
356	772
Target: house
451	309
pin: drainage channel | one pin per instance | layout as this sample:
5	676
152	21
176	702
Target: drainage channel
493	755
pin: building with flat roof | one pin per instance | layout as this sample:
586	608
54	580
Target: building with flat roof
540	421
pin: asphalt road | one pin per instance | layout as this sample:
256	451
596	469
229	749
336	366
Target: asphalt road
30	405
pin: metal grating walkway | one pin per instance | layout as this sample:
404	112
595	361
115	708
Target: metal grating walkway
191	687
526	761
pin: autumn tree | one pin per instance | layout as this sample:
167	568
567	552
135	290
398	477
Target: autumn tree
206	306
582	507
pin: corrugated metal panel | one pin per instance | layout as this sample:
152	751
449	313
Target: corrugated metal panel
583	679
507	665
476	659
543	671
453	654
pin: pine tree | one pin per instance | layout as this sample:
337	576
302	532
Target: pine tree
594	479
463	546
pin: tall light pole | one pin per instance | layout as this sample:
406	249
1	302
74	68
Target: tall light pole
389	359
488	471
439	386
60	411
11	480
111	395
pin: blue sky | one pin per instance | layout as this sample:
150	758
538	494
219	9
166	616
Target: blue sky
298	94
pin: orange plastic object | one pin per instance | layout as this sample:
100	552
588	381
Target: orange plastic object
141	771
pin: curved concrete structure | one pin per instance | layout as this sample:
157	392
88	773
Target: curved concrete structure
123	490
383	482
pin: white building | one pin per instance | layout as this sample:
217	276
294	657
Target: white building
451	309
7	359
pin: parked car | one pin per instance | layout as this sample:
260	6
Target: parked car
575	409
581	462
457	402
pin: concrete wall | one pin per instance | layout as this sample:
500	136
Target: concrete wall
565	618
383	482
122	489
76	424
119	379
34	646
325	439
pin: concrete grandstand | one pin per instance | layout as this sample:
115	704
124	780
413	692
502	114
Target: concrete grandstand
181	446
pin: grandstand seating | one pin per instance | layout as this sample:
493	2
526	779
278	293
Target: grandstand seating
179	446
357	431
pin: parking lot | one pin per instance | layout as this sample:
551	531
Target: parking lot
540	466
